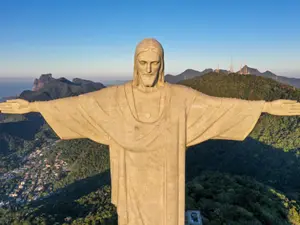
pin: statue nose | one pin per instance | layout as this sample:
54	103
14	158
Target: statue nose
149	68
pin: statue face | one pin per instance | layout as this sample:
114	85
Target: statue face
148	66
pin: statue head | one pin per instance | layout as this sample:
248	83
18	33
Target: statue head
149	64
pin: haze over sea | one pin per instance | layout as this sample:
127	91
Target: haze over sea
13	88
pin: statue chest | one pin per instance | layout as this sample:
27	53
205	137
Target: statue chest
147	106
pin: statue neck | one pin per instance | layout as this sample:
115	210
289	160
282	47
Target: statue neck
145	103
144	89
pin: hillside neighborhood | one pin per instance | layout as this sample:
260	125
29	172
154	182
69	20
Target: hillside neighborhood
34	180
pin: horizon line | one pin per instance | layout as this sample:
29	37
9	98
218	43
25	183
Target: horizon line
125	76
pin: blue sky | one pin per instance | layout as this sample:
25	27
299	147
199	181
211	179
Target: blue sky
97	38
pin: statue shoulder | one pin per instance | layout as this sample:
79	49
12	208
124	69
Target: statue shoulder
183	91
104	92
191	95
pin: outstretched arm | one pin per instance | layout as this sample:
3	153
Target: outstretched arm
282	107
210	117
17	106
68	117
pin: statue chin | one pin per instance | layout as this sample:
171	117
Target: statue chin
148	84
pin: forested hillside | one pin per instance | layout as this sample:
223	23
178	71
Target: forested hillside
255	181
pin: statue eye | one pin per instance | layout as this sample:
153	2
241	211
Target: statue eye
142	62
155	63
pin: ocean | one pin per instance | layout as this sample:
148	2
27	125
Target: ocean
14	88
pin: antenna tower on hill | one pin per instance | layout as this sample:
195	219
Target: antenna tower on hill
218	69
231	67
246	69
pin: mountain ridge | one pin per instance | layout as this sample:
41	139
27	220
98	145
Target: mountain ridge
190	73
48	88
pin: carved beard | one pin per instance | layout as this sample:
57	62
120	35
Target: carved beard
154	82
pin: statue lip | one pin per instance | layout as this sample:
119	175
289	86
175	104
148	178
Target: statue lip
148	75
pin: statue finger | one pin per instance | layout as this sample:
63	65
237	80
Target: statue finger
12	100
295	106
6	111
5	106
9	105
294	114
289	102
294	110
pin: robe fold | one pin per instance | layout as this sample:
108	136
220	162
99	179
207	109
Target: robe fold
147	159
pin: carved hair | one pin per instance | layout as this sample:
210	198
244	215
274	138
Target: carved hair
146	45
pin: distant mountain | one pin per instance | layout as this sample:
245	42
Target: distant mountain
187	74
114	82
40	83
47	88
250	87
87	85
285	80
223	71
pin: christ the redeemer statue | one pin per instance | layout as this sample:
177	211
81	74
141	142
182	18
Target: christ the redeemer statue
148	124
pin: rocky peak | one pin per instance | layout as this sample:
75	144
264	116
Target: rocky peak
39	83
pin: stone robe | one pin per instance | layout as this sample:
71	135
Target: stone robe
147	159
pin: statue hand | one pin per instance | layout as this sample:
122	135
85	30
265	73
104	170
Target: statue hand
283	107
15	106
